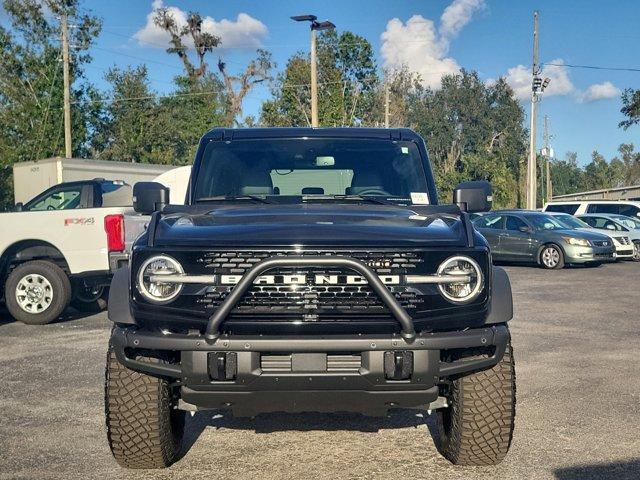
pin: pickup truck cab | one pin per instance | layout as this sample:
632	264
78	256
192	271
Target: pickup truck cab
310	270
62	246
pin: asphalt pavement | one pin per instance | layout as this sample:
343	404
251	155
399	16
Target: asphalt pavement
576	338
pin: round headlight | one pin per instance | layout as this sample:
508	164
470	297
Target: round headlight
151	286
471	280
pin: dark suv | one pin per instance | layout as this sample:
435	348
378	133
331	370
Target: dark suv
311	270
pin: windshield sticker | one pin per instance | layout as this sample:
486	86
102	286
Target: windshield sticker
419	198
404	150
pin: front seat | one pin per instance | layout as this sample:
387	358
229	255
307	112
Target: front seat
364	181
256	182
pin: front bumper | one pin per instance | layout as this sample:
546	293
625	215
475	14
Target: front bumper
295	374
579	254
624	251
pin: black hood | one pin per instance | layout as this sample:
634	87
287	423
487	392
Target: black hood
310	224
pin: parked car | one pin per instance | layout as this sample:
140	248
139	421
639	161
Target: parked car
62	247
628	208
534	237
622	244
624	227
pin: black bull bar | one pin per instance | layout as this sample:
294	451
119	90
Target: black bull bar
212	332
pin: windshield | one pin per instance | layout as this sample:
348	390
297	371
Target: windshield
571	222
313	168
628	222
545	222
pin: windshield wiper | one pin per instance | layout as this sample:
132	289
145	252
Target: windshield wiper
364	198
222	198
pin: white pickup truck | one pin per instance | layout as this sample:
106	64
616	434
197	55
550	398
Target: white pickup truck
63	246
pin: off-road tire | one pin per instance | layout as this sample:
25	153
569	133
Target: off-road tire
143	428
477	427
60	284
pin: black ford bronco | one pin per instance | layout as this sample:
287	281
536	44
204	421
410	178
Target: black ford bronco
311	270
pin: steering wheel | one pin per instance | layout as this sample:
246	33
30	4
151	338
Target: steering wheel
372	191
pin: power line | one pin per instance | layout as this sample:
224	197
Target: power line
594	67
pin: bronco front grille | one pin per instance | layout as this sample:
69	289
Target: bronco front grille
310	301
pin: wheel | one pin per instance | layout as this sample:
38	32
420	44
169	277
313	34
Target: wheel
89	299
477	427
144	429
636	251
37	292
551	257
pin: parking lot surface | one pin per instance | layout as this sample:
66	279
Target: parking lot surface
576	337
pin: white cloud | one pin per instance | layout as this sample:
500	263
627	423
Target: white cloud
519	78
457	15
600	91
244	32
422	47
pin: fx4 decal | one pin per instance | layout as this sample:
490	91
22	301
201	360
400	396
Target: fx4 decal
79	221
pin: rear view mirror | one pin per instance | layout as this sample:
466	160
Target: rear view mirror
473	197
149	197
325	161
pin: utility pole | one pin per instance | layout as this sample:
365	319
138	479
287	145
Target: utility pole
67	96
545	167
386	103
531	166
548	155
315	25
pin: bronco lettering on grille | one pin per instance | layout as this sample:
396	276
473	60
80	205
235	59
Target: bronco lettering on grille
302	279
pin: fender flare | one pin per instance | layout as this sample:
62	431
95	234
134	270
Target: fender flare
501	308
119	310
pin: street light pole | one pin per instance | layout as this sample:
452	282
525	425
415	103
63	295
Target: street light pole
314	80
315	25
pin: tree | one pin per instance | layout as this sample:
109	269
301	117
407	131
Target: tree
129	127
473	131
203	42
197	73
347	83
630	108
238	86
566	175
31	95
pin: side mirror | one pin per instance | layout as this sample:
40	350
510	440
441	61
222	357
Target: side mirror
526	229
19	207
610	227
149	197
473	197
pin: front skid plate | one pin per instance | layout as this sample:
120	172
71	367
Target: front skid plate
250	404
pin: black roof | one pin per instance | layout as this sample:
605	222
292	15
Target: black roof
296	132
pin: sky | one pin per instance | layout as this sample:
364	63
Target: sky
432	37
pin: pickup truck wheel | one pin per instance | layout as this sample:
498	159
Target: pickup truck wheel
143	427
37	292
91	300
477	427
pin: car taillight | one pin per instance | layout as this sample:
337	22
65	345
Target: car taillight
114	226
